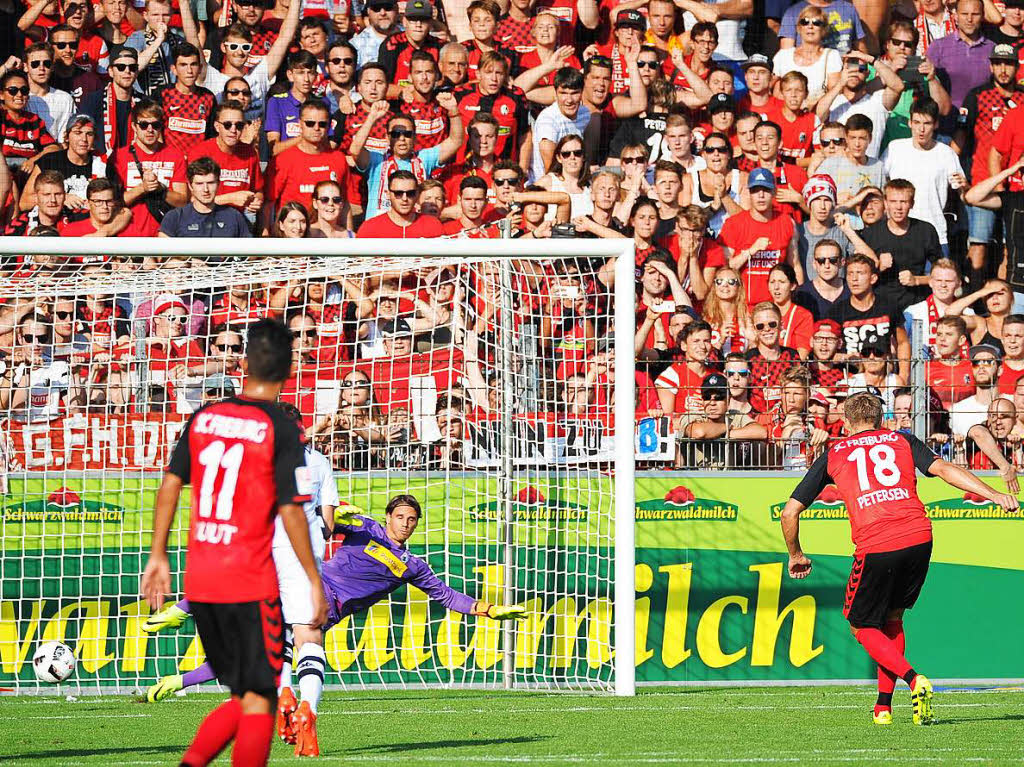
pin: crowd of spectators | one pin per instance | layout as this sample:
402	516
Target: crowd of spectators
814	190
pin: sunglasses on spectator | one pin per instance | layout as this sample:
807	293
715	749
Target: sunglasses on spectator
717	150
600	61
353	384
380	7
182	318
238	92
766	325
233	124
510	181
571	153
323	200
714	397
974	363
151	124
243	47
315	123
248	3
743	373
811	23
647	64
632	160
305	332
909	44
401	133
833	142
339	60
877	354
125	67
63	315
44	63
36	338
60	46
827	260
731	281
236	348
408	193
15	90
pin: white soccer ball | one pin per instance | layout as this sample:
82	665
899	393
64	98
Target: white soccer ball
54	662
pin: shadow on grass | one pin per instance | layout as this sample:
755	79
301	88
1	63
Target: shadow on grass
971	719
397	748
67	753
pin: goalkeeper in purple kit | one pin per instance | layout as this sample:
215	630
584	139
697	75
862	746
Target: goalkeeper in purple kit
372	562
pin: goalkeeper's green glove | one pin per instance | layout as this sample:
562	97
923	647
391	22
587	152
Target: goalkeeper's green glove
506	612
346	514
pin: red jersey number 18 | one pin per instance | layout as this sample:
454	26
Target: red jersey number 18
883	465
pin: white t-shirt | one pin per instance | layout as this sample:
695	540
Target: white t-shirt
55	110
919	311
869	106
817	73
968	413
46	384
258	80
552	125
730	34
929	171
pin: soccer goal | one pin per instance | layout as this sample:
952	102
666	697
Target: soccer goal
492	379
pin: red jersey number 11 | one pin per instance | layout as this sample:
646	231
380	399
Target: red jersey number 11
213	458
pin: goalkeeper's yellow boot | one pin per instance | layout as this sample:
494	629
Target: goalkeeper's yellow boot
168	618
921	698
882	716
167	686
305	730
286	705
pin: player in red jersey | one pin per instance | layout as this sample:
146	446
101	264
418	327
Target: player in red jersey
230	579
874	471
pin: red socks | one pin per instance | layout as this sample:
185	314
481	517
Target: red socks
886	679
252	743
884	651
214	733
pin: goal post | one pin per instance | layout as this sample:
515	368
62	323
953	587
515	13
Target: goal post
496	416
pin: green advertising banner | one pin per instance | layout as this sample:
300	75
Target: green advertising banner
713	600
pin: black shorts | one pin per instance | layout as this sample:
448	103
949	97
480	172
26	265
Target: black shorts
885	581
244	643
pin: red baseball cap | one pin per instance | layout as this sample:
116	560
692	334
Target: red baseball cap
829	325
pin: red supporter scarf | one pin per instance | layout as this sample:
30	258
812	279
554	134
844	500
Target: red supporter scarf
110	120
924	36
389	166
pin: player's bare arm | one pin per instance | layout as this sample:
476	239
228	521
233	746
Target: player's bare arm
799	564
966	481
156	579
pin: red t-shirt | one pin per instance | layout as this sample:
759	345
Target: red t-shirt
797	328
685	385
383	226
232	521
797	136
431	122
392	378
772	110
294	174
532	59
167	163
741	231
451	176
142	225
874	472
952	382
238	172
1009	142
1008	379
620	69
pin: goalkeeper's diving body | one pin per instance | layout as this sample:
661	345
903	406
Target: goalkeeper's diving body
372	562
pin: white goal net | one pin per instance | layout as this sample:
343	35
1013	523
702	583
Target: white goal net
494	384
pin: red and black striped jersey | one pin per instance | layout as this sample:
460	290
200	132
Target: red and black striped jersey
23	135
189	116
515	35
431	121
981	115
395	55
508	109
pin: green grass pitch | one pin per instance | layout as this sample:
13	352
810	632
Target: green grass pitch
810	725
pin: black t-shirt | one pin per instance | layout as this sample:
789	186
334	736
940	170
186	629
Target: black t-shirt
878	323
913	250
614	225
1013	234
76	177
991	32
648	131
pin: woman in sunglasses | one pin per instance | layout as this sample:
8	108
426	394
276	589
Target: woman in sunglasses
726	311
718	187
570	173
819	64
331	216
23	133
